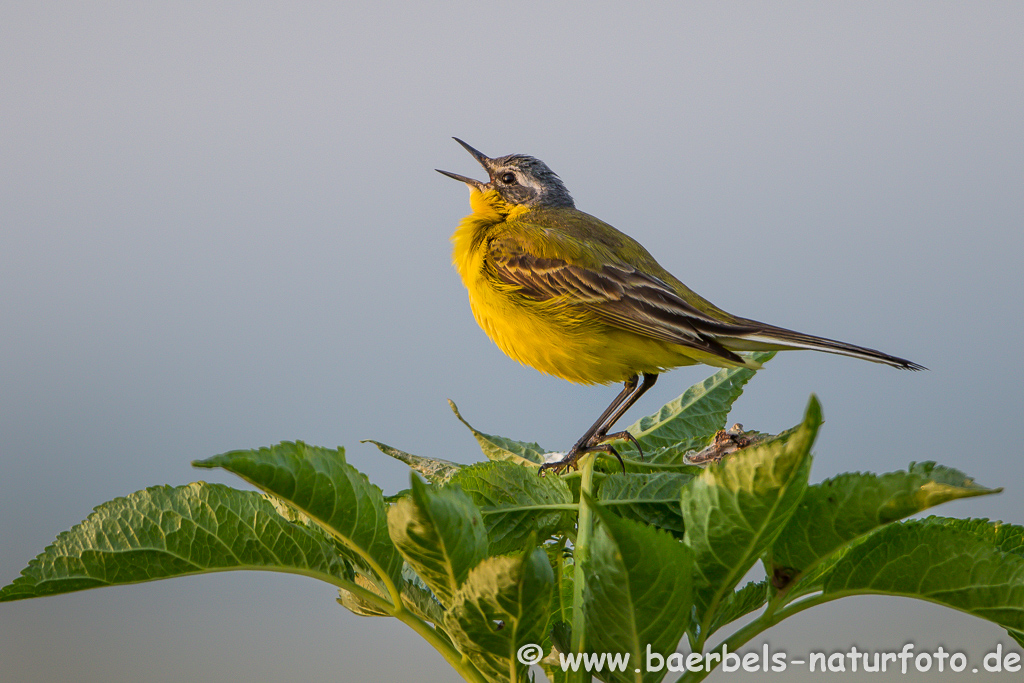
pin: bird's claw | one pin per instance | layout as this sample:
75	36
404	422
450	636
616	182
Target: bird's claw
624	436
559	466
597	443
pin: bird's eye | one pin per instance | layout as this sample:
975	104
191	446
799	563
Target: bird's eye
508	178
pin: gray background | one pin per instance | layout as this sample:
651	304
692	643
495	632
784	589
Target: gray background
220	228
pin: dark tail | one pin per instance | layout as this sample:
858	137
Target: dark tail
768	337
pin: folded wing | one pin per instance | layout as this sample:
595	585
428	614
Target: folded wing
630	299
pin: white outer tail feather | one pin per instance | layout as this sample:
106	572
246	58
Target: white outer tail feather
787	339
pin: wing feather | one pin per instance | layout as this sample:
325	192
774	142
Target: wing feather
631	298
619	294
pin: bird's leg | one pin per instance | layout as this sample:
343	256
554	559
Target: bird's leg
580	446
603	435
610	414
598	432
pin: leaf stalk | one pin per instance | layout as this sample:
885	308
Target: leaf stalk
581	555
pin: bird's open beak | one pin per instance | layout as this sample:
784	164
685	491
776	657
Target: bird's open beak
475	184
480	157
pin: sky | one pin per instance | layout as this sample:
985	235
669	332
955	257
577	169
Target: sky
220	228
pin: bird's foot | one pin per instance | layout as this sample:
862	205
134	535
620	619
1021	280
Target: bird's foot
596	443
623	436
572	458
563	465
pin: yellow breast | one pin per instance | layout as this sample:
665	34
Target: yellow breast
555	337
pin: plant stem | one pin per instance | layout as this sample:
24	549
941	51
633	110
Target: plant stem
451	655
428	632
581	556
529	508
559	572
658	466
762	623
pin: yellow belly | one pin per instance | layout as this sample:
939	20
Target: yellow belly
571	344
555	337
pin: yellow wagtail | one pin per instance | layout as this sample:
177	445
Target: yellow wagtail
571	296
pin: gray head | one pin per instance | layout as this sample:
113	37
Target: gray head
519	179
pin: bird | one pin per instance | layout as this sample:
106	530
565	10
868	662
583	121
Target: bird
569	295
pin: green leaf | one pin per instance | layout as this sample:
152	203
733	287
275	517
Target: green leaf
848	506
395	497
440	533
649	498
419	598
739	603
415	596
561	560
559	635
162	532
734	510
358	605
516	503
1018	636
689	421
638	592
1009	538
503	605
434	470
952	562
501	448
322	485
550	664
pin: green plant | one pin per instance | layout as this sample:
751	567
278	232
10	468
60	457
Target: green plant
489	558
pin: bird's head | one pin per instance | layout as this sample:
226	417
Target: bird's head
517	180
